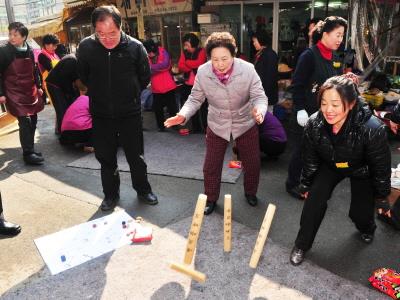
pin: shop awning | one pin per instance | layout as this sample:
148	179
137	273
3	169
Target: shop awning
75	3
45	27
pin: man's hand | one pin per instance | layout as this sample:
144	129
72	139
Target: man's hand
40	92
177	120
393	127
2	99
257	115
302	117
383	207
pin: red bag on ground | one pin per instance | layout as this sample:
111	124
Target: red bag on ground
390	289
387	281
388	275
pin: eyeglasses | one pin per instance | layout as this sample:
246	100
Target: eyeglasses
111	36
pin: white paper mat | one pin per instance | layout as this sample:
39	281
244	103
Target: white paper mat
73	246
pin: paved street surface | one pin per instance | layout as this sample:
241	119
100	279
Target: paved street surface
52	197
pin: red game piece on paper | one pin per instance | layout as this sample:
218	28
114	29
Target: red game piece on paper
142	234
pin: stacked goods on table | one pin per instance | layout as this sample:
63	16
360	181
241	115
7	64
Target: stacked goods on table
387	281
374	97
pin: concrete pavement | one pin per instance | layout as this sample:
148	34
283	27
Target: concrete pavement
52	197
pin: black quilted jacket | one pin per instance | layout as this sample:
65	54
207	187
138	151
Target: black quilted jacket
360	149
114	77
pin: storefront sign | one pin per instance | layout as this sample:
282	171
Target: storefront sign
129	8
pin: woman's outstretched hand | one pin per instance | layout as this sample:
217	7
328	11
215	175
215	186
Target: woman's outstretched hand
177	120
257	115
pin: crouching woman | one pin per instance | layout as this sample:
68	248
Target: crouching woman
343	139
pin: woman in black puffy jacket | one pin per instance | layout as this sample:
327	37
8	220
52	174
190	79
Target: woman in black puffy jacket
343	139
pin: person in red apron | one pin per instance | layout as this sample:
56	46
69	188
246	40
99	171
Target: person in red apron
21	88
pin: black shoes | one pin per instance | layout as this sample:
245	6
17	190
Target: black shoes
33	158
297	256
252	199
149	198
367	238
210	206
109	203
295	192
10	229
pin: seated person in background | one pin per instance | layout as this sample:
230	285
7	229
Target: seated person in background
76	126
272	136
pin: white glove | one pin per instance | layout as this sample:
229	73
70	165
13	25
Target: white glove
302	117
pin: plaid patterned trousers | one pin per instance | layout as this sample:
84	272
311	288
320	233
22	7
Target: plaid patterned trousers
249	151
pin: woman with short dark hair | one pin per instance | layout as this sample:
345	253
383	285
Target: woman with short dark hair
266	64
192	57
162	83
48	59
343	140
21	88
237	103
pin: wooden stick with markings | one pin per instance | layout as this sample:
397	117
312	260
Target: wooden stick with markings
262	236
192	242
195	229
228	223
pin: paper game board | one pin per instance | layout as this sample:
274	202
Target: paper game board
73	246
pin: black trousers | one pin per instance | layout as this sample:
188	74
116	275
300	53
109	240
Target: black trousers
296	161
272	148
362	205
199	119
107	134
159	102
61	102
27	128
70	137
1	207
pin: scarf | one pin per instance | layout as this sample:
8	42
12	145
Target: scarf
223	77
325	51
258	54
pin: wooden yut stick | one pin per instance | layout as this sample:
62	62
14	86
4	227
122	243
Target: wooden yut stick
262	236
195	229
228	223
185	269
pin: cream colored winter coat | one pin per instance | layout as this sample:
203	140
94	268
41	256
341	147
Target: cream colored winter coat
229	105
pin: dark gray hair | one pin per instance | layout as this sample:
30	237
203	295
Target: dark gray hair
100	13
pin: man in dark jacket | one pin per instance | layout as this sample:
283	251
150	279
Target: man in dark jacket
115	68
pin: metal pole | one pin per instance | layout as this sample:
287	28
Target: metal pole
312	8
275	26
241	27
10	12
